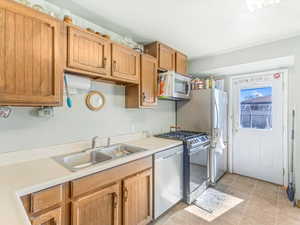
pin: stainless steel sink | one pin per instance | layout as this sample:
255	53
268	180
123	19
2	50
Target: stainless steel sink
77	161
81	160
120	150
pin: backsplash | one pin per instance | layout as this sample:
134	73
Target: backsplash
24	131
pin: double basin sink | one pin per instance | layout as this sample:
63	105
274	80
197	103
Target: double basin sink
90	157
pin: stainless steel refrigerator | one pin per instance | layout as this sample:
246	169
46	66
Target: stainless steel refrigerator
206	111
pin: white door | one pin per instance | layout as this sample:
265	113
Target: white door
258	127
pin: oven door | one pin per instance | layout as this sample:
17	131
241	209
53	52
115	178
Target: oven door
182	86
198	171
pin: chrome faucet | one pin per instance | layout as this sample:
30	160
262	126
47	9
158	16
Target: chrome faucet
108	142
95	139
94	142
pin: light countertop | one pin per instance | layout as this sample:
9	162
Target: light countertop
27	177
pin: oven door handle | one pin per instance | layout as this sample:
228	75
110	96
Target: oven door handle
199	149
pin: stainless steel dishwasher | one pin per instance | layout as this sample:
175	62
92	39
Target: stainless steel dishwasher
168	179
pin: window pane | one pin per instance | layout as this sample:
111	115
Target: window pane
256	108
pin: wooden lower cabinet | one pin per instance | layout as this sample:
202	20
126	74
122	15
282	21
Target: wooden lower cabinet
117	196
98	208
137	199
53	217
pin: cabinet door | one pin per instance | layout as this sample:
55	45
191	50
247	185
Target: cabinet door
137	198
181	63
99	208
52	217
31	70
166	59
88	52
125	63
148	80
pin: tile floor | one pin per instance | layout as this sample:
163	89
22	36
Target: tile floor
264	204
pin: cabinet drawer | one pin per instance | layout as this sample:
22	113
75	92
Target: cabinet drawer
52	217
46	198
98	180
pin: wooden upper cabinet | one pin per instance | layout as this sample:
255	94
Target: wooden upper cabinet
137	198
53	217
31	69
166	59
87	52
125	63
145	94
148	80
164	54
99	208
181	63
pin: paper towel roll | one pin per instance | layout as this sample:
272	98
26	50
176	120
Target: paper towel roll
78	82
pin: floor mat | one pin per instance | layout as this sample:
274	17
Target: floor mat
212	204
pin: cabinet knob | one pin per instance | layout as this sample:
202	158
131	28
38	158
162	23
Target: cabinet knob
104	62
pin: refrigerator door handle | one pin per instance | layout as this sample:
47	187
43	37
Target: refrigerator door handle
217	112
216	125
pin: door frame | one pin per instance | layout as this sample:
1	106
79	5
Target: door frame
285	106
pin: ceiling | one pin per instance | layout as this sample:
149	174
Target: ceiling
199	28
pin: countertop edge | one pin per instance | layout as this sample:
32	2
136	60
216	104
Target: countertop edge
23	218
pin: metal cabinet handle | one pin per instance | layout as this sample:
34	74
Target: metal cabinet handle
144	97
104	62
114	65
169	156
115	200
125	194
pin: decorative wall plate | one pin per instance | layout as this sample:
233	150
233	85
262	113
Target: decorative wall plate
95	100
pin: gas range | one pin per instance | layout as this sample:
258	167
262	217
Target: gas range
190	138
196	164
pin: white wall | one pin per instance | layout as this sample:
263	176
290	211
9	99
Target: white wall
22	130
288	47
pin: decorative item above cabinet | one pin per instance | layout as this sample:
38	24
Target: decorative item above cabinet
31	69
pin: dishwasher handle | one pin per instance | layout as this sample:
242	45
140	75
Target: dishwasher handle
170	154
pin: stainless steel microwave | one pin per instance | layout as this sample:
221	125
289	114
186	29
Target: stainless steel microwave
174	86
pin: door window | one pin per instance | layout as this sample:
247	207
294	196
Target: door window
256	108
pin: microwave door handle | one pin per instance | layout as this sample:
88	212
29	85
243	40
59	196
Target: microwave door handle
188	88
